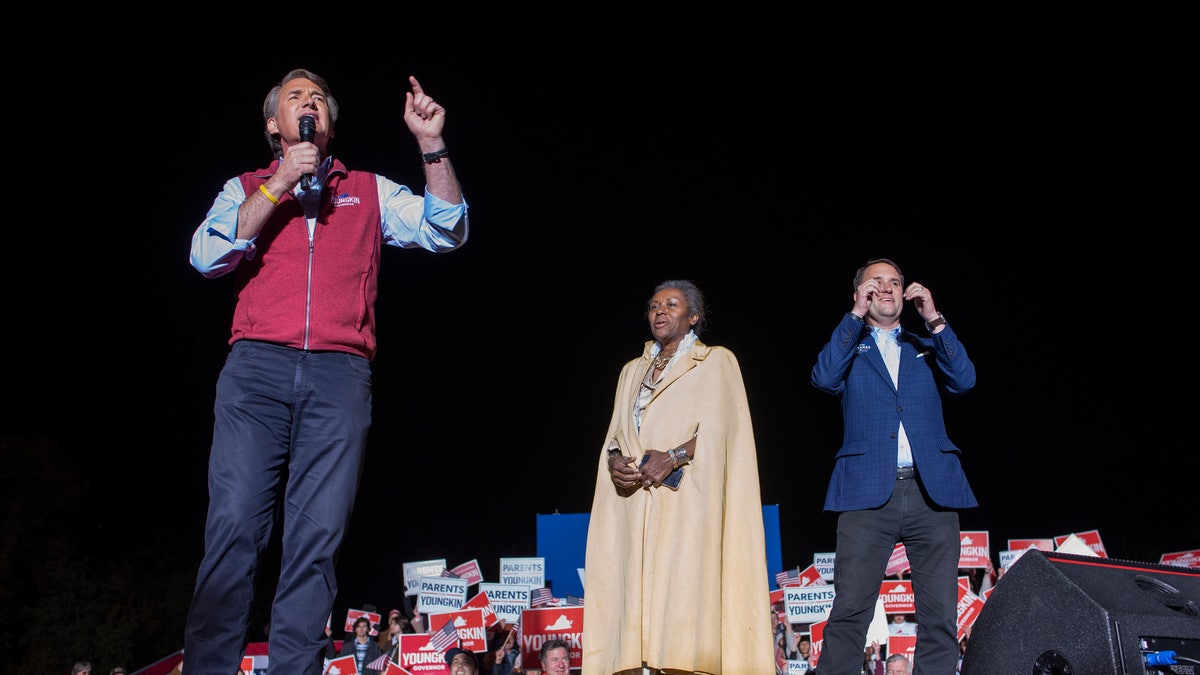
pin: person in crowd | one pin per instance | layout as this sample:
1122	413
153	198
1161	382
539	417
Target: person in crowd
81	668
675	555
555	656
503	653
900	625
398	624
364	648
117	671
803	649
871	663
303	237
781	650
897	476
789	642
462	662
897	664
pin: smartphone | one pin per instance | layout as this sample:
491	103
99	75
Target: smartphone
672	480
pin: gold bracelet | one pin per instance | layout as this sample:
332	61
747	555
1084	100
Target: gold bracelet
262	187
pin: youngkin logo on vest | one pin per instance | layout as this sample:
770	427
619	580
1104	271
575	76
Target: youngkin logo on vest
345	199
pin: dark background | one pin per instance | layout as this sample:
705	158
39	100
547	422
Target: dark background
1038	176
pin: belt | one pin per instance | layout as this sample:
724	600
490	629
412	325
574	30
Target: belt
906	472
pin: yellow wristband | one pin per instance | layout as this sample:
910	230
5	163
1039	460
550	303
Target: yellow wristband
263	189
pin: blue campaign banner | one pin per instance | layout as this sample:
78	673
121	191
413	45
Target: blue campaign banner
562	542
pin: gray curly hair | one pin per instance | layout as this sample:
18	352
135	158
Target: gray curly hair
694	297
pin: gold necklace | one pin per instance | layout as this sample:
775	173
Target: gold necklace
662	360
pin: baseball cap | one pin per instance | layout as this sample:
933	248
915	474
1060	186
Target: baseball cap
455	651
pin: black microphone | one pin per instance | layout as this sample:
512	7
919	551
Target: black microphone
308	129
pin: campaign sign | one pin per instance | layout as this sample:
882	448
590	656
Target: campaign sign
1007	558
545	623
897	597
797	667
969	606
812	575
508	600
816	637
824	564
472	634
898	563
1046	545
806	604
528	571
353	614
974	550
413	571
902	644
417	657
342	665
440	594
1091	538
483	604
1181	558
469	571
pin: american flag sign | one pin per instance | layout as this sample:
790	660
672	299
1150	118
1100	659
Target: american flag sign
444	638
790	577
540	596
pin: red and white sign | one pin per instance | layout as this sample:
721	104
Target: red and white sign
1091	538
898	563
1181	558
418	657
353	614
468	571
974	550
897	597
776	597
816	637
969	606
544	623
902	644
472	634
342	665
1046	545
482	602
811	576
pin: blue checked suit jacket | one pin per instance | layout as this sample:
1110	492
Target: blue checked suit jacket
851	367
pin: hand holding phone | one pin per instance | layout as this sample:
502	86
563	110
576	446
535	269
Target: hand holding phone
672	480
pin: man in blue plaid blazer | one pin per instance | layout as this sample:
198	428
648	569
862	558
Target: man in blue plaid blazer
897	477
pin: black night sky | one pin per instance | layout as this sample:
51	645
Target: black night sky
1038	177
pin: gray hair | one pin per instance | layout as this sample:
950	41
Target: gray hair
694	297
897	658
271	104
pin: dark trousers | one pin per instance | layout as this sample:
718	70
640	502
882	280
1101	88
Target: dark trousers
865	540
289	440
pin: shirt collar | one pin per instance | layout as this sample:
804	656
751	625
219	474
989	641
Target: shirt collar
894	333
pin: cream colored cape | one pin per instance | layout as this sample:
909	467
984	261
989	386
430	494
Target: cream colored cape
678	579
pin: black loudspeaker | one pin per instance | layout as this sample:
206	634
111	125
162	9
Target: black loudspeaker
1064	614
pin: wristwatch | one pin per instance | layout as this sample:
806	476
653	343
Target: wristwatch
939	321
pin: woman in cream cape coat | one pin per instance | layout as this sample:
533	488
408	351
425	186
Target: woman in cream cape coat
677	579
